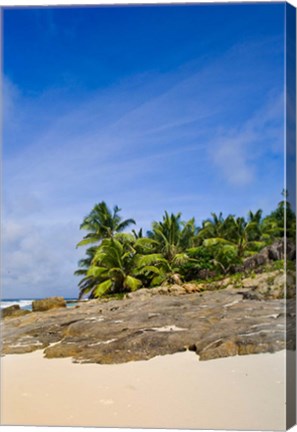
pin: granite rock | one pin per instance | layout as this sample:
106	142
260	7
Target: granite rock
213	323
13	311
48	303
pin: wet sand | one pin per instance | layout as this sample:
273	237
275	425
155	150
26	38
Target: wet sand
173	391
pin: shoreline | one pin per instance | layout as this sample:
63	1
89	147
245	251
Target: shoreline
170	391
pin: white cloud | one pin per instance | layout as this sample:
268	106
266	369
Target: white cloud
236	152
231	158
154	143
10	99
38	259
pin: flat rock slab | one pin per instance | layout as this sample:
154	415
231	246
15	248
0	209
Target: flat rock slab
214	324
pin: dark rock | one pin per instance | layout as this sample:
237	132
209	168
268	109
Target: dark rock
13	311
48	303
176	279
204	274
256	260
219	349
249	295
274	252
10	310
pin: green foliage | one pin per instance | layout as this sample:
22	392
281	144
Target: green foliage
282	221
202	256
173	235
103	223
170	239
112	268
237	277
278	265
282	265
199	258
173	250
226	256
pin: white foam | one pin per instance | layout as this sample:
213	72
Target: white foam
21	303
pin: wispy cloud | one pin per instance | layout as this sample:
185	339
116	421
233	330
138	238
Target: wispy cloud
34	262
236	152
173	141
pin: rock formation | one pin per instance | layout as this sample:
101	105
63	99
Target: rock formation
48	303
13	311
218	319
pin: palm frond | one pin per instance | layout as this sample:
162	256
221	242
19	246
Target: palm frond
180	259
149	269
123	225
215	241
102	288
132	283
146	260
96	271
158	280
88	240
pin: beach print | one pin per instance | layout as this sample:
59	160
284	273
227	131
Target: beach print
149	216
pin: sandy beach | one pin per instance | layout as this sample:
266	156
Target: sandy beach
172	391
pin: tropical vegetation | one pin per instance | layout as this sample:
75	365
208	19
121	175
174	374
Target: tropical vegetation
174	250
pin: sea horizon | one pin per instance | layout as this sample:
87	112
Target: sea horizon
26	302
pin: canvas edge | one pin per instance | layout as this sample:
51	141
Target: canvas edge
290	187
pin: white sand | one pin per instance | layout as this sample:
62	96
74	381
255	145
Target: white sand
176	391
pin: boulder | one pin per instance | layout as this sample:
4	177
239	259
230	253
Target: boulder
222	348
10	310
256	260
191	287
175	279
175	290
274	252
13	311
48	303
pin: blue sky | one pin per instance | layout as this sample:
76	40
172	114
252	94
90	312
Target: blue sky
150	108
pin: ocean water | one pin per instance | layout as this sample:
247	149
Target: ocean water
27	303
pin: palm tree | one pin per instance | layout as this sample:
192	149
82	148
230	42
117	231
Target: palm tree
214	227
103	223
274	223
138	234
241	233
165	249
255	217
256	234
155	270
114	268
87	283
237	233
172	235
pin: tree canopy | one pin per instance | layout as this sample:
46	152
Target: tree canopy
173	250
